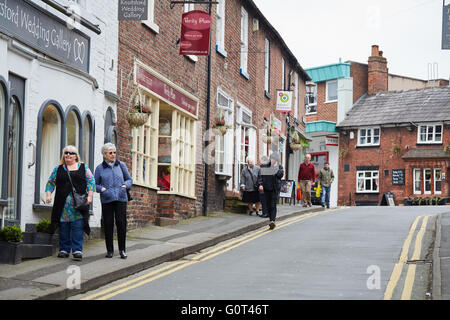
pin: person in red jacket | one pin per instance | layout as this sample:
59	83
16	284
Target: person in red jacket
306	175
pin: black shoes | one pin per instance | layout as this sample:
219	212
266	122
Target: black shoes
63	254
271	225
109	255
123	255
77	256
264	216
250	213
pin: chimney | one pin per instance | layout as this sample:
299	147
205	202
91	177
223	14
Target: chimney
378	72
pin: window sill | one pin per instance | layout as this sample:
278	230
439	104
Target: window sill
145	186
310	114
152	26
221	51
177	194
331	101
367	192
267	94
429	143
46	207
368	146
244	74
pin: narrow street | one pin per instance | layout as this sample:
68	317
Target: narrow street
341	254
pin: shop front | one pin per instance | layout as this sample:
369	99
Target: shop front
163	150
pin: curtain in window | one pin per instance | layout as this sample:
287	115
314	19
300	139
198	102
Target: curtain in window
50	156
13	159
86	141
73	130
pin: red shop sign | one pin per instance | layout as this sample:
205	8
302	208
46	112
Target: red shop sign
195	31
165	91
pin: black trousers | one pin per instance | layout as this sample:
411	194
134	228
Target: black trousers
117	211
271	203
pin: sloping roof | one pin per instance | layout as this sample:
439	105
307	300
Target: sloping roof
278	37
426	153
423	105
329	72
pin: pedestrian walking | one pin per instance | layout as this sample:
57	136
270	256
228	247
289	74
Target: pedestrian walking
112	181
306	175
326	178
70	175
270	182
249	186
262	198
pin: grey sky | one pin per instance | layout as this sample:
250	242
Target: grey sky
409	32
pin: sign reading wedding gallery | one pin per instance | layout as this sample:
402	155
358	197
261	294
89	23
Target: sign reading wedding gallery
50	96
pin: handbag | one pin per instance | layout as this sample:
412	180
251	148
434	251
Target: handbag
80	199
128	190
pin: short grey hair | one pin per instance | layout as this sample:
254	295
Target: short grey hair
108	146
249	158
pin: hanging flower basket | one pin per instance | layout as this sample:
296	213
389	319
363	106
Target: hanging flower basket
138	112
222	129
267	139
295	146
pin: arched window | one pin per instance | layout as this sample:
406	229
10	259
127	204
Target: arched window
14	119
73	127
110	128
88	140
48	149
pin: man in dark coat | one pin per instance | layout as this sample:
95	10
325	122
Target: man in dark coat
270	182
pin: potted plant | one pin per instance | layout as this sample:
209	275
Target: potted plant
44	234
408	201
11	245
267	137
219	122
343	152
138	113
396	149
296	141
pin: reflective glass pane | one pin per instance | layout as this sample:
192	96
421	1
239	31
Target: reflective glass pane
13	159
72	130
2	111
86	141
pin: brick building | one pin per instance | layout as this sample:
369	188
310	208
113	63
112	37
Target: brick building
394	141
337	88
249	62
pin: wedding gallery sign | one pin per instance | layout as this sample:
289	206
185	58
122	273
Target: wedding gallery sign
32	25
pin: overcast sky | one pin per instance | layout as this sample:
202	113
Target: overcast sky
409	32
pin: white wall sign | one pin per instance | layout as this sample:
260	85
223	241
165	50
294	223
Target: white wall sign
284	101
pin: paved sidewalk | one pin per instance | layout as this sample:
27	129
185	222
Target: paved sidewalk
441	259
147	247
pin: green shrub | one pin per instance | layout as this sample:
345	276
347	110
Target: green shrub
11	234
44	226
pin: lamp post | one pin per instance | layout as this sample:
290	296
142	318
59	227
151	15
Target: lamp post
310	85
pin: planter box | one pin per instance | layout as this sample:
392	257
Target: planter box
33	251
38	238
11	252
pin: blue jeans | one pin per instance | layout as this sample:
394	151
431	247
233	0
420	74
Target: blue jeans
71	236
326	195
263	202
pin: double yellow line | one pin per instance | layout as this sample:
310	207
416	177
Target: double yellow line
398	268
181	264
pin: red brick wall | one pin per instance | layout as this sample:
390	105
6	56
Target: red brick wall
359	73
325	111
383	157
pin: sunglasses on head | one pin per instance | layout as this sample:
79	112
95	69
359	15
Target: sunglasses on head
69	152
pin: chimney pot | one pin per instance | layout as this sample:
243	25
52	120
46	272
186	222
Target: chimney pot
375	50
381	53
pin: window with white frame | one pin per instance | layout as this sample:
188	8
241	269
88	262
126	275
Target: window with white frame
367	181
190	7
311	106
369	136
144	148
427	181
245	137
223	159
430	133
244	42
72	130
220	28
150	22
267	66
417	181
331	91
437	181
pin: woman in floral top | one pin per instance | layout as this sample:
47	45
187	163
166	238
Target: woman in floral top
72	223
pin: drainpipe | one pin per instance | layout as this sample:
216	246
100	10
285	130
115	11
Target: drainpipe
208	111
